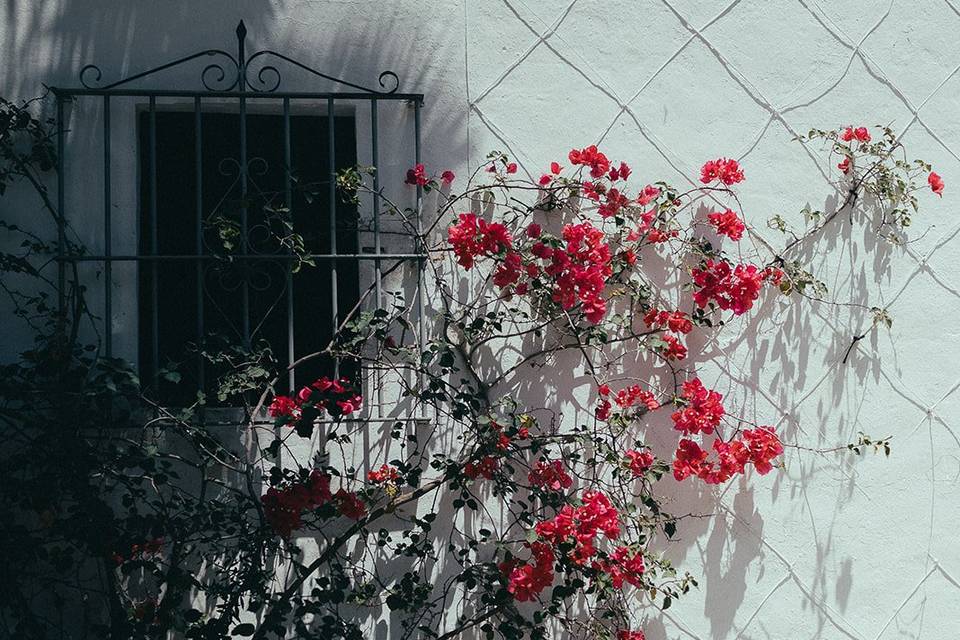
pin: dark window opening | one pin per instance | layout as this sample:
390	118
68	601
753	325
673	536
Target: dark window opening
174	289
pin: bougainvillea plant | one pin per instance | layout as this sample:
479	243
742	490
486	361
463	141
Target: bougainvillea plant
520	478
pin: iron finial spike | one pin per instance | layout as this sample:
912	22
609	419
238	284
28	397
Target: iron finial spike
241	36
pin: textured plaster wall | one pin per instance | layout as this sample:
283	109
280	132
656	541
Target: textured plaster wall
833	547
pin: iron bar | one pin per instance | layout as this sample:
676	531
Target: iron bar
107	235
61	221
378	271
198	231
278	257
154	246
421	245
68	92
332	160
288	199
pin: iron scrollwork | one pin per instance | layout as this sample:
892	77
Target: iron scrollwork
231	72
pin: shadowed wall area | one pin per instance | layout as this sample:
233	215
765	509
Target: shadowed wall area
834	545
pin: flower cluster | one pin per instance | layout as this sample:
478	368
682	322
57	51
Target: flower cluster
701	411
728	287
591	157
727	224
627	634
623	565
550	476
485	467
283	507
725	170
580	271
337	397
936	183
472	237
638	461
632	396
385	474
526	580
676	321
417	176
860	134
581	525
757	447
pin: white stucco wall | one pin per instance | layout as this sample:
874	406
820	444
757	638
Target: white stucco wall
834	547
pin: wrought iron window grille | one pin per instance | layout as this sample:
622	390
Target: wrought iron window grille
228	82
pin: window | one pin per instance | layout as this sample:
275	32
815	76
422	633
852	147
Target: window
212	270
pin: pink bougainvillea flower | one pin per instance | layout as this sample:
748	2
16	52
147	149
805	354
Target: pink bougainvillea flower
349	504
555	168
727	224
726	170
417	176
936	183
702	409
512	167
860	134
590	157
845	165
447	177
383	475
638	461
647	195
550	475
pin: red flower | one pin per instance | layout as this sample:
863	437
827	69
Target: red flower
626	634
619	173
447	177
602	412
639	461
763	445
635	395
590	157
472	237
604	390
725	170
284	407
555	168
526	581
550	476
676	321
512	167
417	175
861	134
383	475
688	460
728	288
675	349
845	165
702	411
533	230
936	183
625	566
486	467
349	504
545	180
727	224
648	195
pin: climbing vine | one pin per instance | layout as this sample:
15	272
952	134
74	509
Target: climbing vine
505	476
